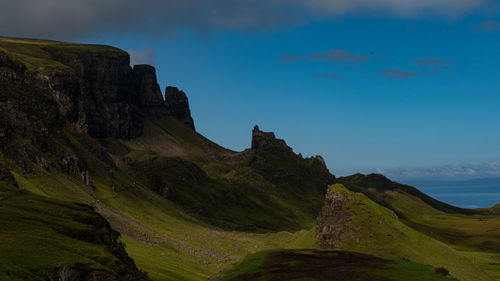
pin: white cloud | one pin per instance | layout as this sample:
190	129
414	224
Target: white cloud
143	56
445	171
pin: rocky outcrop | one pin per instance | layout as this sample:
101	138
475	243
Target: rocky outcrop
332	219
273	158
178	106
267	140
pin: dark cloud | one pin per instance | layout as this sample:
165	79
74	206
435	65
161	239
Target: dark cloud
331	75
339	56
394	73
434	62
80	18
143	56
291	58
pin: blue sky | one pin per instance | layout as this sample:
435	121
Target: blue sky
409	90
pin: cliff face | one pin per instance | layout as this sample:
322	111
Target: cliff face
95	88
178	106
97	93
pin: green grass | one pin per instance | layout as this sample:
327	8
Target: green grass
328	265
473	233
376	230
39	236
164	237
220	205
170	243
36	54
154	227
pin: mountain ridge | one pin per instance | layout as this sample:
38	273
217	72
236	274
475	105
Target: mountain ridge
79	125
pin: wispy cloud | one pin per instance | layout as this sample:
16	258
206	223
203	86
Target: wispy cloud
395	73
291	58
450	171
434	62
339	56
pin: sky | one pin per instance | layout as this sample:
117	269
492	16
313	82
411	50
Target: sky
405	88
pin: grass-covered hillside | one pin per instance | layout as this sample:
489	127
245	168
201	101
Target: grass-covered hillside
352	221
474	233
81	132
186	207
40	55
44	238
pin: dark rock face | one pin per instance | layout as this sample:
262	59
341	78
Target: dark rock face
151	98
178	106
267	140
98	93
332	219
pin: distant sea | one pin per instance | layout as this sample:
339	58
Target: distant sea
464	196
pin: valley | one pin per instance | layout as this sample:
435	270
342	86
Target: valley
102	175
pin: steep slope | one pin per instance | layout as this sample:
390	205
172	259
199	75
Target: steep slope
42	238
351	221
261	189
473	232
74	92
80	125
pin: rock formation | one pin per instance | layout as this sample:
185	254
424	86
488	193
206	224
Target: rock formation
178	106
96	91
267	140
332	219
151	98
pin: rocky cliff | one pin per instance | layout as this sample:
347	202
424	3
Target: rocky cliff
177	105
93	87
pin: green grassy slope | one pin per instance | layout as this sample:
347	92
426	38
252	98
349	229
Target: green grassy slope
40	236
374	229
37	55
329	266
186	207
474	233
164	240
228	189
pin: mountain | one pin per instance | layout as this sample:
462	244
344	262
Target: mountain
79	124
104	177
